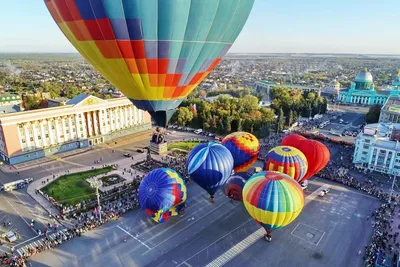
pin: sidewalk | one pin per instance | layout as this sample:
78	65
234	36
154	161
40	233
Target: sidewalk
38	183
123	140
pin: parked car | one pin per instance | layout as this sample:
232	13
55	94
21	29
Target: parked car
128	155
140	150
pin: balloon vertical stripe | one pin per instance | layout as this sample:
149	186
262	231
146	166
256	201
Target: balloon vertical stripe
155	51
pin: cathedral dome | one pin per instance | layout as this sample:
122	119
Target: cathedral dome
364	77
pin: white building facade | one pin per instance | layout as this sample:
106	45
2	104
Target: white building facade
84	121
377	148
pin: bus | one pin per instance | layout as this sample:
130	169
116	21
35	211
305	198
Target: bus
14	185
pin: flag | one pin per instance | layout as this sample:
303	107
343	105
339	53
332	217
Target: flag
194	110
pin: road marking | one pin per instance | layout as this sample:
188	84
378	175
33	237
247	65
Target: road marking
188	214
319	240
26	241
20	215
149	248
248	241
211	244
189	225
26	206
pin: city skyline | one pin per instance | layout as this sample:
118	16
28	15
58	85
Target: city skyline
360	27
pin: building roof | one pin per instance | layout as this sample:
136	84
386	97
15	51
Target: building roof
8	97
5	109
364	76
77	99
385	144
59	99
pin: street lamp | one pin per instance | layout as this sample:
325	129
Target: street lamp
97	183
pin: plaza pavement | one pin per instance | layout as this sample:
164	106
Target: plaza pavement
328	232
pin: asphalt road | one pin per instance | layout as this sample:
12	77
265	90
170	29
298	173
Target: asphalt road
329	232
19	208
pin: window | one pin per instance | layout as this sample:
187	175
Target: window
23	140
31	139
67	131
20	126
39	137
47	135
52	127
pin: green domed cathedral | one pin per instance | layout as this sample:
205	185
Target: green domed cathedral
362	91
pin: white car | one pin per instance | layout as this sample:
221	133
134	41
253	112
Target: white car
304	185
324	192
28	180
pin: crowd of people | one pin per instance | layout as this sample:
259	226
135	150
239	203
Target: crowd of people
267	143
83	222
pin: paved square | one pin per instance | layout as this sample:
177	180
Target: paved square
308	233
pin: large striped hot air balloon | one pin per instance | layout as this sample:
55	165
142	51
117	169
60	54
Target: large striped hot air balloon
209	165
287	160
244	148
154	51
161	190
273	199
317	153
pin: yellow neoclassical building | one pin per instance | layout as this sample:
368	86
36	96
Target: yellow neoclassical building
84	121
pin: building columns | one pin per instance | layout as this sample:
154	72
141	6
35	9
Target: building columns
27	137
35	135
44	139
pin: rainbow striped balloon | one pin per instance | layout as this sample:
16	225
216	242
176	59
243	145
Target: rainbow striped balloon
155	51
244	148
273	199
287	160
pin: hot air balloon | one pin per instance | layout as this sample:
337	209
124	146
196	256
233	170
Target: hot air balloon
161	190
234	185
287	160
209	165
161	216
317	154
273	199
155	52
244	148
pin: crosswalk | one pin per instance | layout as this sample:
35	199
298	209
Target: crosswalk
237	249
24	250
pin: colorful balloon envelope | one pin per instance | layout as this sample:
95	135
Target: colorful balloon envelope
244	148
287	160
209	165
234	185
273	199
155	52
317	154
161	190
161	216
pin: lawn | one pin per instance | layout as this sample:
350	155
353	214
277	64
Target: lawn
188	145
71	189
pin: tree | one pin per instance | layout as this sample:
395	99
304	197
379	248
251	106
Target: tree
71	91
184	116
373	114
290	118
281	121
32	102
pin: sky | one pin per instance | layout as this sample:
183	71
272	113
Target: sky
274	26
